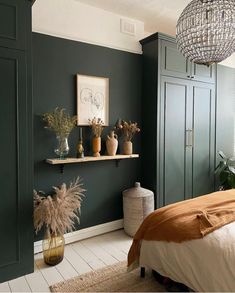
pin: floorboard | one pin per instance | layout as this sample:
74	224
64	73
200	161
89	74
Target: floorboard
19	285
76	261
88	256
101	253
4	287
37	282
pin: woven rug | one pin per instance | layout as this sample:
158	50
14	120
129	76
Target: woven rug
113	278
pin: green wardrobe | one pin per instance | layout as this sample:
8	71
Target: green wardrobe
16	173
178	125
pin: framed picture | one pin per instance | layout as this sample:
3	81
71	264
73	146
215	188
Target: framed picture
92	99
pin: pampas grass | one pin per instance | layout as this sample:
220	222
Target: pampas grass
61	211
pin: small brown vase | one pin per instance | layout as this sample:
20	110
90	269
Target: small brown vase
53	248
96	146
127	148
111	144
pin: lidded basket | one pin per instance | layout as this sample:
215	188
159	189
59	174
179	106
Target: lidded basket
138	203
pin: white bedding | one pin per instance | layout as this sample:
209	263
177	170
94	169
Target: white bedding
206	264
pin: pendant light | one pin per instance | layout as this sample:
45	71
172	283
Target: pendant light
205	31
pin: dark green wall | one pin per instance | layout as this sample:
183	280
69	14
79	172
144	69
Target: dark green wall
56	61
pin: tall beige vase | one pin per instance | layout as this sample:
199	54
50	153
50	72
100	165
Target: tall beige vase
96	146
111	144
127	148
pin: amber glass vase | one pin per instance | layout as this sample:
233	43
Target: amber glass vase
53	248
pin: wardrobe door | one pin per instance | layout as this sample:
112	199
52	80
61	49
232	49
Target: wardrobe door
203	72
173	63
16	244
203	138
175	163
14	23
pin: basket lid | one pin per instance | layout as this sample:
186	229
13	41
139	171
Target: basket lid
137	191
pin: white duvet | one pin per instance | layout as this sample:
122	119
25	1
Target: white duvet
206	264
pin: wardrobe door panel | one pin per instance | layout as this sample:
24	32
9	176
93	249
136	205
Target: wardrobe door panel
204	73
13	23
204	138
175	158
16	245
173	63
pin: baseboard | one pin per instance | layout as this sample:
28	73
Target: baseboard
85	233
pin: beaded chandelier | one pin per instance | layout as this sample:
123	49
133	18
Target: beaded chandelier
205	31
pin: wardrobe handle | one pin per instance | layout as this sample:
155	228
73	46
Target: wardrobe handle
188	76
189	138
192	77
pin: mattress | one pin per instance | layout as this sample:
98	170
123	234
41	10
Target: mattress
206	264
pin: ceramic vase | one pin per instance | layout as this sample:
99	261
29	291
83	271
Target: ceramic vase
111	144
96	146
127	148
53	248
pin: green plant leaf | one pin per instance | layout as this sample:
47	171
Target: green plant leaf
221	166
231	169
222	155
224	177
231	180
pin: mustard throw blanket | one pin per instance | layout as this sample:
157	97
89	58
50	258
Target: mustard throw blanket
185	220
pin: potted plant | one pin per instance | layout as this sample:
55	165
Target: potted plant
128	131
58	213
226	171
62	124
97	126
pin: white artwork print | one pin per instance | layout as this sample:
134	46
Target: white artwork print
92	99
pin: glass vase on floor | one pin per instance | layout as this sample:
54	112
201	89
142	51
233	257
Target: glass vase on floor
62	148
53	248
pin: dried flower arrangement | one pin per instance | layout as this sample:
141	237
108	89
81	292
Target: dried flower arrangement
127	129
60	211
97	126
59	122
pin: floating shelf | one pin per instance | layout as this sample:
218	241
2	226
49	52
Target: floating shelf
61	163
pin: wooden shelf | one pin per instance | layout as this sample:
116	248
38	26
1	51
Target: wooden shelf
61	163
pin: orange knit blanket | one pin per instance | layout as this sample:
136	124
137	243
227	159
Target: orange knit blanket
185	220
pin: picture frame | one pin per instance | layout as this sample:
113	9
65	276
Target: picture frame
92	99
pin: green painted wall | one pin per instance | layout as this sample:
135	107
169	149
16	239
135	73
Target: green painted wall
225	116
225	132
56	61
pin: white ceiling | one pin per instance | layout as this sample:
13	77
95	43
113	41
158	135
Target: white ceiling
158	15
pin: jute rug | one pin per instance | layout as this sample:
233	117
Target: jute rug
113	278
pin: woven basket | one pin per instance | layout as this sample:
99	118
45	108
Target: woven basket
138	203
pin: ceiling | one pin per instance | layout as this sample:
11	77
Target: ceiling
158	15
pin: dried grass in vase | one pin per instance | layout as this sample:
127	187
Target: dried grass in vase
61	211
128	129
59	122
97	126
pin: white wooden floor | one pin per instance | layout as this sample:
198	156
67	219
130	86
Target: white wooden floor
80	257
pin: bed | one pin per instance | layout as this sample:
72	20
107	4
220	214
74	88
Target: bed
206	264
